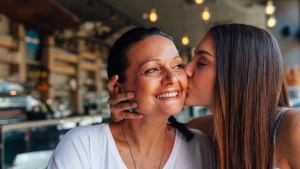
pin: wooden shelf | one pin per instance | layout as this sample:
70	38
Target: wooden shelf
10	57
64	69
88	55
66	58
89	67
7	42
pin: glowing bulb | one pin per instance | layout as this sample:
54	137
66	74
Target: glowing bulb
185	40
270	8
206	14
272	21
199	1
153	15
13	92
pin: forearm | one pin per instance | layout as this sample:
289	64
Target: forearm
203	123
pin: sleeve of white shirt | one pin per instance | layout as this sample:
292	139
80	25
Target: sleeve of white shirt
73	151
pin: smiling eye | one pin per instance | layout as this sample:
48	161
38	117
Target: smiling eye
179	66
151	70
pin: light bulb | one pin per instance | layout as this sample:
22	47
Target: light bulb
272	21
153	15
206	14
270	8
199	1
13	92
185	40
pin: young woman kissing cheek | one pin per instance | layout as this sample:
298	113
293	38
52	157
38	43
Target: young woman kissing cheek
201	72
157	76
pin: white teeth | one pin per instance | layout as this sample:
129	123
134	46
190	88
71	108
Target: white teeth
165	95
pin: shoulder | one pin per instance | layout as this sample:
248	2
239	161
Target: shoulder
82	137
84	132
199	135
199	148
291	122
200	141
290	137
77	147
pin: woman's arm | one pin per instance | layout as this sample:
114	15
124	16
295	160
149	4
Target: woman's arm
203	123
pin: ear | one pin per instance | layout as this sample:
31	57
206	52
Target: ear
118	88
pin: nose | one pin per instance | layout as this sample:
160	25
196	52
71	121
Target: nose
169	77
188	69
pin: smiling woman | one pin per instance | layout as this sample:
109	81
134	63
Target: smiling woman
148	64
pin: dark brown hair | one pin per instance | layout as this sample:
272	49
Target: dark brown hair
249	87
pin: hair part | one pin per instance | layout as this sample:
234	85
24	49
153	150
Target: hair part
249	87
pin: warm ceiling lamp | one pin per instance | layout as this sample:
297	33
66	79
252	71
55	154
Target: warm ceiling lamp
270	7
153	15
205	14
185	40
13	92
199	1
272	21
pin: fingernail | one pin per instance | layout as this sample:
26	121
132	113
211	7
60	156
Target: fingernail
131	94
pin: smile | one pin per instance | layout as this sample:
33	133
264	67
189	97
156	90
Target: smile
167	95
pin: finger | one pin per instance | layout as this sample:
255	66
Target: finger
120	107
121	97
128	115
111	83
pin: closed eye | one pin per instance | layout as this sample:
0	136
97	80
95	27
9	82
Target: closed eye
201	63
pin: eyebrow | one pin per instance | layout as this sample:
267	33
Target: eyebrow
201	52
155	59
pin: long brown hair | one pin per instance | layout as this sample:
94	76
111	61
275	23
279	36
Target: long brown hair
249	88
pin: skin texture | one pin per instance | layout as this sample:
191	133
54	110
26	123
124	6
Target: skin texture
158	71
202	74
288	141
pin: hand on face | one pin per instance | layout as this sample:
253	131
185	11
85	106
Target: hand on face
119	102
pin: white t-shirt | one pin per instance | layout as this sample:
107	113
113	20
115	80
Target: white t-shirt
93	147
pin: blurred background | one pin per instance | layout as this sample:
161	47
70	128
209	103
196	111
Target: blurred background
53	56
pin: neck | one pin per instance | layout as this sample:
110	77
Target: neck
139	132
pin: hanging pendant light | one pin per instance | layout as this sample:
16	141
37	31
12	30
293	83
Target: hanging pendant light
153	15
205	14
270	8
199	1
272	21
185	40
